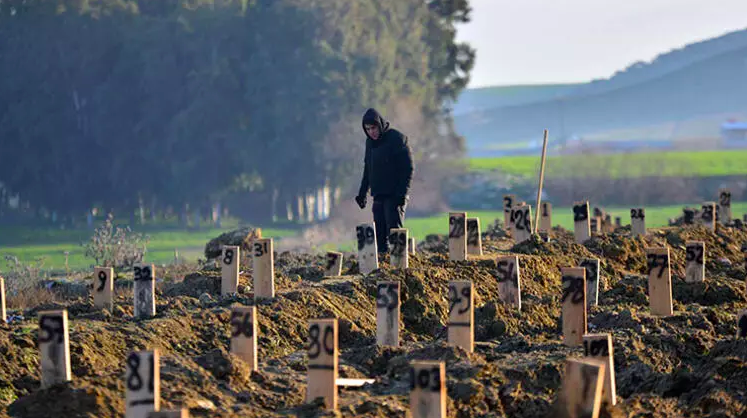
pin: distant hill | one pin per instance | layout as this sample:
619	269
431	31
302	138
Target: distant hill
698	80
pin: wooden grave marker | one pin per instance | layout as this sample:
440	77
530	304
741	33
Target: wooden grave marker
591	267
411	245
398	248
509	280
724	202
600	346
582	387
595	225
387	313
334	264
574	305
708	215
461	327
143	383
103	287
145	291
521	219
244	334
368	260
581	223
171	413
323	362
618	221
744	253
546	217
263	261
3	316
659	281
637	221
742	324
54	348
695	261
509	200
428	389
457	236
474	240
230	263
688	216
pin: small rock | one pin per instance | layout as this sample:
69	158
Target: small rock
205	298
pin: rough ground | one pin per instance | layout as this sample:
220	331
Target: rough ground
686	365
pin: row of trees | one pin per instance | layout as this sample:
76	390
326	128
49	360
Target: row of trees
254	104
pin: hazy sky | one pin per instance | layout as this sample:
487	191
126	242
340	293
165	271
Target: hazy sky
543	41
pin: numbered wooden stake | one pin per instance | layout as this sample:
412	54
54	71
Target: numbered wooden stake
474	240
724	204
742	324
708	215
659	281
145	291
398	248
581	223
368	260
244	334
618	221
143	383
461	329
3	316
103	287
637	222
428	389
591	268
457	236
264	268
695	259
54	348
387	313
600	346
509	283
546	217
521	218
595	224
323	362
582	387
334	264
172	413
230	262
509	200
411	245
574	305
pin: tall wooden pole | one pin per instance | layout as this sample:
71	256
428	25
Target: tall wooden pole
541	179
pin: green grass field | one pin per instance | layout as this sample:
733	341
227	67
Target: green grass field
670	164
655	217
30	243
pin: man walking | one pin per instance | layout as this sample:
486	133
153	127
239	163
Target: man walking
387	171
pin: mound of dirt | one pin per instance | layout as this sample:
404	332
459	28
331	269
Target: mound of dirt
242	237
685	365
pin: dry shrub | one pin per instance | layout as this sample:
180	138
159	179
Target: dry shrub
116	247
22	283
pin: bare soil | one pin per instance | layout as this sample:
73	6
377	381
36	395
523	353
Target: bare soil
686	365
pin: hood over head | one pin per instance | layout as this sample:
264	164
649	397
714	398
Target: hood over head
373	117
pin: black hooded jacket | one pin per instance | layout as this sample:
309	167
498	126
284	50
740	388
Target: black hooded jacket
388	163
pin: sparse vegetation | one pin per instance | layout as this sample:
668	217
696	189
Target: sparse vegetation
116	247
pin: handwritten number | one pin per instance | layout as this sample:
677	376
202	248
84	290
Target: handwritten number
102	281
657	260
580	213
241	323
386	295
316	345
456	227
596	348
573	287
228	257
52	327
143	273
694	253
426	379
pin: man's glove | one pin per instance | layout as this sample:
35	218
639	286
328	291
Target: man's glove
361	201
401	200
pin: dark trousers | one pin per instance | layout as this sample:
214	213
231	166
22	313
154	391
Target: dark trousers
387	215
